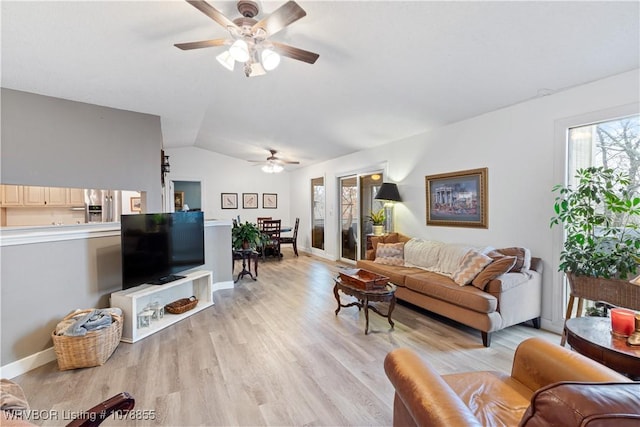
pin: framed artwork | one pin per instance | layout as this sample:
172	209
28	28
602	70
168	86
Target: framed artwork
249	200
229	200
136	204
457	199
178	200
269	201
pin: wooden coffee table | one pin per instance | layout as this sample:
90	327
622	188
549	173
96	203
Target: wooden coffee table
364	297
591	337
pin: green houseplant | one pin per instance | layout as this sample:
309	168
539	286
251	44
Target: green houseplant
601	219
377	219
246	236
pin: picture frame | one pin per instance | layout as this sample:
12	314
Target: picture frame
178	200
249	200
229	200
458	199
269	201
135	204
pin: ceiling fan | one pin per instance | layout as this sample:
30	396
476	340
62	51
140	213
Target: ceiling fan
274	164
250	39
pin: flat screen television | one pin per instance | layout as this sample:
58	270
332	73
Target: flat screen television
156	247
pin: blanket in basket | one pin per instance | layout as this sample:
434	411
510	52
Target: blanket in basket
84	322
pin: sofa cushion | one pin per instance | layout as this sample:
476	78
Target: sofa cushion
472	264
396	274
584	404
493	270
523	256
422	253
444	288
390	253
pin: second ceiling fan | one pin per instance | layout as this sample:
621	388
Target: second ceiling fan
250	39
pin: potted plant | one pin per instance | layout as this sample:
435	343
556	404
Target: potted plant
377	219
245	236
601	219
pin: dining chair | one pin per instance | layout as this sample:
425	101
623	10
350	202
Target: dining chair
271	228
261	220
292	240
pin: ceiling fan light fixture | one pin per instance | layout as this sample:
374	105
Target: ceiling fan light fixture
239	50
270	59
272	168
226	60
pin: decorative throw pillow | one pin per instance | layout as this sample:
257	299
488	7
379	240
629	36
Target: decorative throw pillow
387	238
523	256
390	253
472	264
493	270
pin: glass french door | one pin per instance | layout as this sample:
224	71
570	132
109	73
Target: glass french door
369	187
349	217
317	213
357	201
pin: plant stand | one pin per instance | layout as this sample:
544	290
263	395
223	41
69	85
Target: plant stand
620	293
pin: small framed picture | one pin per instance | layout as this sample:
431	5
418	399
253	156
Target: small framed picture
136	204
229	200
269	201
178	198
249	200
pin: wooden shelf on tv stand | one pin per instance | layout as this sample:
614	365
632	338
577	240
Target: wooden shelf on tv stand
132	301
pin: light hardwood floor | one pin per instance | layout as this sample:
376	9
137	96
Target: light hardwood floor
270	352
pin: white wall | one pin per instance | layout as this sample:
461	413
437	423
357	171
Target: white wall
222	174
518	146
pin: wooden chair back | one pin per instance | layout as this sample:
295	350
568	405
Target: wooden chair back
261	220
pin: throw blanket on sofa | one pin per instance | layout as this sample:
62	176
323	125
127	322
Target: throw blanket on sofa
439	257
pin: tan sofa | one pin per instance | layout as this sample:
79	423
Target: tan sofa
508	299
548	386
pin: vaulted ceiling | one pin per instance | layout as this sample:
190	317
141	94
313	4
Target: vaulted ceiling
387	69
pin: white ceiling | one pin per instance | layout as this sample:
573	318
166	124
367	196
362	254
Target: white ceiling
387	69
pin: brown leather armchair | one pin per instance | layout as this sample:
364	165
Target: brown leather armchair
548	386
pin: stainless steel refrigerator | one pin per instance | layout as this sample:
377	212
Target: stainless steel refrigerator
102	205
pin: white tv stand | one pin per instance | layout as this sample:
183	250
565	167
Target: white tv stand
134	300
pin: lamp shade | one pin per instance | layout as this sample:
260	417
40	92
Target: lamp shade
388	191
226	60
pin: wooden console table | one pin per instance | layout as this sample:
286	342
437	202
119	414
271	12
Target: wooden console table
591	337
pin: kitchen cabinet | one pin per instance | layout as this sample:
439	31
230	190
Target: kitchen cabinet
76	197
56	196
48	196
11	195
34	196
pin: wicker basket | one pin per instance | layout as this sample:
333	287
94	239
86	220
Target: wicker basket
92	349
620	293
182	305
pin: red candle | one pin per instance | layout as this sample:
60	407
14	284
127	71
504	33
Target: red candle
622	321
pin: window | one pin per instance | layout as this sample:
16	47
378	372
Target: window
612	144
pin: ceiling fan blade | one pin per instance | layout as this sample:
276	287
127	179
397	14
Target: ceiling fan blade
201	44
212	13
289	162
286	14
295	53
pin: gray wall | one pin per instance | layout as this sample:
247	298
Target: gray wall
59	143
43	282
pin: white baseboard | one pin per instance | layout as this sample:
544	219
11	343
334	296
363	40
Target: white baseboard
222	285
28	363
24	365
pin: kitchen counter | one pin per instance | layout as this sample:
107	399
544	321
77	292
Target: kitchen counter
10	236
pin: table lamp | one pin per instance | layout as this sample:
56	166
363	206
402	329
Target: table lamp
389	193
